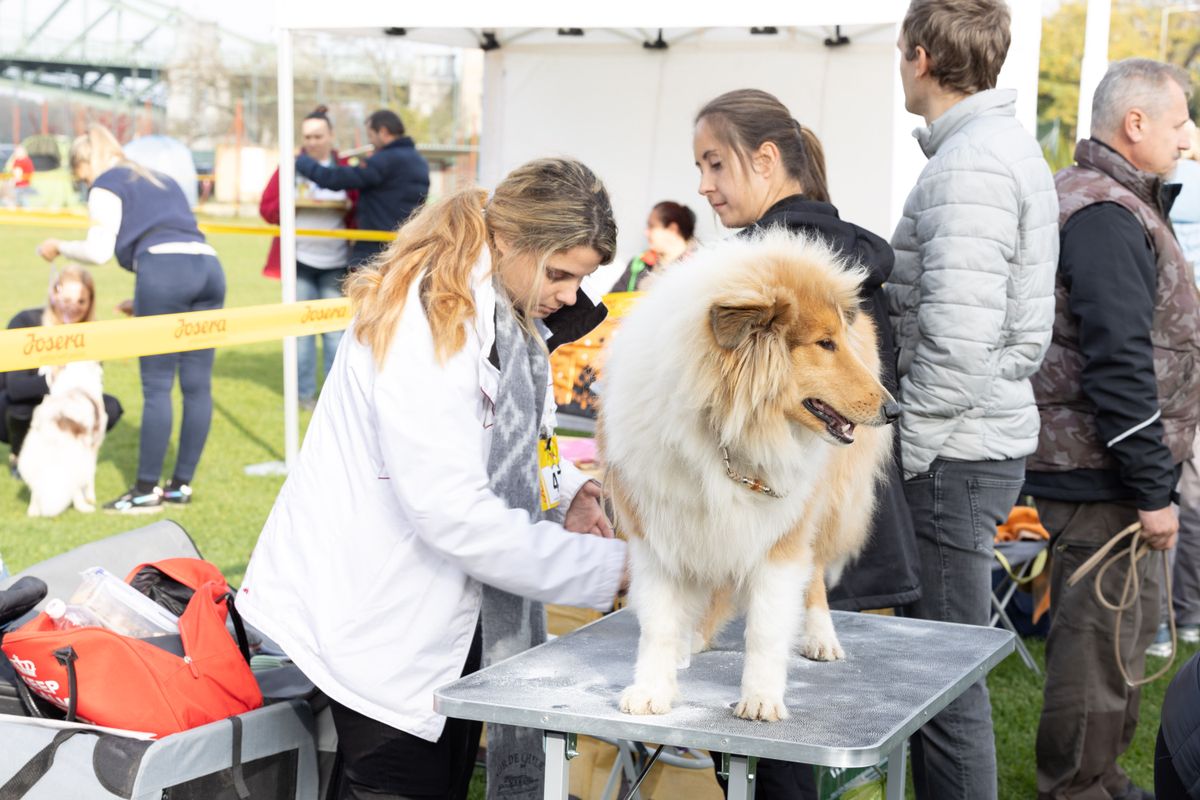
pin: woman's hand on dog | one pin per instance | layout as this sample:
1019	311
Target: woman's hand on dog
48	249
586	515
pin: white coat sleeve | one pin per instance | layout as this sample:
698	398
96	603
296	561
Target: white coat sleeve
433	443
104	209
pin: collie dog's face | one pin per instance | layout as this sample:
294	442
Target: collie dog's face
791	342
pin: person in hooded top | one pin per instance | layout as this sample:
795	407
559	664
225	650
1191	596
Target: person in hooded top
760	168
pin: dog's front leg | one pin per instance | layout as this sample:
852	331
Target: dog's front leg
661	609
774	613
820	641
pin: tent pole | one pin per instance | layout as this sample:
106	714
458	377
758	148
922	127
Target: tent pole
287	238
287	255
1095	61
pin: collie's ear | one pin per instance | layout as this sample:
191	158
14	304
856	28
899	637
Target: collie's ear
733	323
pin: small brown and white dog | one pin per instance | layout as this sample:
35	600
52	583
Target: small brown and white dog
743	428
58	458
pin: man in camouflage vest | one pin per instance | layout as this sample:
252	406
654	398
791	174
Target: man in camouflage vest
1119	395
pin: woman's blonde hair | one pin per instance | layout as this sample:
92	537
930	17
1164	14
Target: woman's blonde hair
71	273
541	208
100	150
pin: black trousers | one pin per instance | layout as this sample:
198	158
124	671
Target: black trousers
378	762
776	780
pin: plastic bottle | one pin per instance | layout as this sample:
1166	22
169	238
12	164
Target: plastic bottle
65	616
121	608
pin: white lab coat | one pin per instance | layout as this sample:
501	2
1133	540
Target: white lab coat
368	571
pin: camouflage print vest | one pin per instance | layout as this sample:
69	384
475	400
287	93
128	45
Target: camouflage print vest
1069	439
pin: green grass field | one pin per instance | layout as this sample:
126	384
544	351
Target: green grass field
229	508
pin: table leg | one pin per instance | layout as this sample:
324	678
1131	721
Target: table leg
558	770
741	777
896	776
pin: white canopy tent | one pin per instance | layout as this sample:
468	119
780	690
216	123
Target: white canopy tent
622	99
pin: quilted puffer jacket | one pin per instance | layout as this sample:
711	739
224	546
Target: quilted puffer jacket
971	299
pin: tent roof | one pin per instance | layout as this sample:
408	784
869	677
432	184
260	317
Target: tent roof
509	19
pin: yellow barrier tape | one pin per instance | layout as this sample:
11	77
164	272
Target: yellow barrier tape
44	219
28	348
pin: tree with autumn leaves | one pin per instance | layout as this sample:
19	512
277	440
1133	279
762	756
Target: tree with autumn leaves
1136	29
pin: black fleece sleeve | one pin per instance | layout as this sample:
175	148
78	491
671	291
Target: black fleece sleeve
1109	269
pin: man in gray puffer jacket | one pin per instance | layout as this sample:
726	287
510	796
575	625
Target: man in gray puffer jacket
971	300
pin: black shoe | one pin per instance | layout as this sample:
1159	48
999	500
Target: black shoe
135	502
180	494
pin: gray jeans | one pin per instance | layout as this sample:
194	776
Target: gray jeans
956	506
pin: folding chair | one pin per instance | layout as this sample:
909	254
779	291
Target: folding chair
1016	563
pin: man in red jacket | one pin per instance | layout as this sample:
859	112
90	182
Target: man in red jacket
321	263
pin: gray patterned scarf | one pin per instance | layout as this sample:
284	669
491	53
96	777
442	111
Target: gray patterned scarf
512	624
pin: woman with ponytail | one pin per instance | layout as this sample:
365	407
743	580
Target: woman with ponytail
143	218
761	168
414	538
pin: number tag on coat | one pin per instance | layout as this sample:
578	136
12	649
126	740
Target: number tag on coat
550	472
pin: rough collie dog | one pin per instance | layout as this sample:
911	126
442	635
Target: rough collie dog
742	424
58	459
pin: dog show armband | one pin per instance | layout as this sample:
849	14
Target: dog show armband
549	472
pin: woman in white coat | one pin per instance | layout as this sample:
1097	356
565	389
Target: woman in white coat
418	505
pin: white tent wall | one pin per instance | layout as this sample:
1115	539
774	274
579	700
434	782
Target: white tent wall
627	112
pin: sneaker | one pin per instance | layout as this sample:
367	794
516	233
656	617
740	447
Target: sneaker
1189	633
1162	643
134	503
12	466
1133	791
179	495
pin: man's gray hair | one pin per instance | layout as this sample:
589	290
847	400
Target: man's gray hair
1133	83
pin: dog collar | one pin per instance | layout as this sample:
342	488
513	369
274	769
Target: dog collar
753	484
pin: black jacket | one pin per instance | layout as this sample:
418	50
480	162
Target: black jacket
1108	266
886	573
392	184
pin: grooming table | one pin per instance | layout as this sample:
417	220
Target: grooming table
853	713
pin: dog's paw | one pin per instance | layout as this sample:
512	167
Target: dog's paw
821	647
761	707
639	699
84	507
820	641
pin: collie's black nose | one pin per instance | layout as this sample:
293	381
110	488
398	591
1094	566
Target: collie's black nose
891	411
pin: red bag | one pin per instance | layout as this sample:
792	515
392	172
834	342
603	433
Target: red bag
109	679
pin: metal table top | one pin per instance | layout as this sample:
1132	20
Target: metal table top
897	673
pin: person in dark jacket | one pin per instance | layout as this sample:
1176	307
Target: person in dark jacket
1177	752
1119	398
391	183
760	168
143	218
72	299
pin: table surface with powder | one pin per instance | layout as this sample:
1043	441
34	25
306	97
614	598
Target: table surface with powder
897	674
